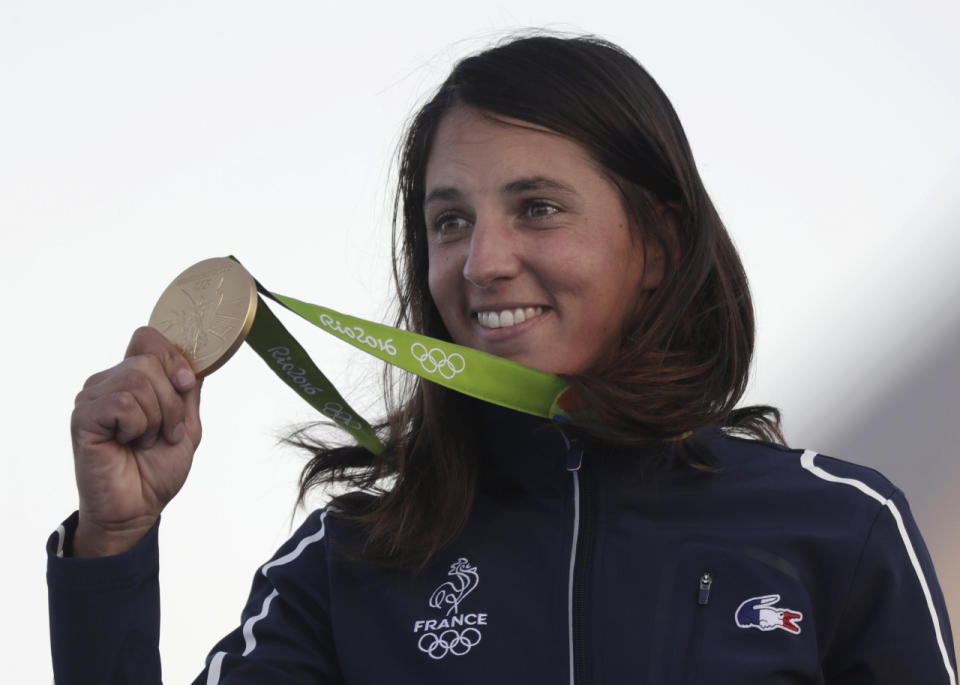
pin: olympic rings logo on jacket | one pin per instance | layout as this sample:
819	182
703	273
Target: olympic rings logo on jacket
449	641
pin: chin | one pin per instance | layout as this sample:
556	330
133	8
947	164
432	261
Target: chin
542	364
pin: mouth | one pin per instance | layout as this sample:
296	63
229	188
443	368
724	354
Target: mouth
505	318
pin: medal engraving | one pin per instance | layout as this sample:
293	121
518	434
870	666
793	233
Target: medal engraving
207	312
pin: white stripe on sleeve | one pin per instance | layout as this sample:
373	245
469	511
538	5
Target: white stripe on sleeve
250	641
806	460
213	672
306	542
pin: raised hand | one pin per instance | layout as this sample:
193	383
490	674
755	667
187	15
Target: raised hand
135	428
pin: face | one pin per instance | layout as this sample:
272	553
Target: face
532	256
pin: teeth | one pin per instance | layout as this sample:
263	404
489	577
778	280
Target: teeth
507	317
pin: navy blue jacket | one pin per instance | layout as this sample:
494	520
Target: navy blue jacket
783	567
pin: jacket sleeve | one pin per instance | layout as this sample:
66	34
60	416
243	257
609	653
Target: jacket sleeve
894	628
105	616
104	613
284	634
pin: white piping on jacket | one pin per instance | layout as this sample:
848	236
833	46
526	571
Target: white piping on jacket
573	561
250	642
213	672
806	460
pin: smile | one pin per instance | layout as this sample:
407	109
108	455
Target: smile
507	317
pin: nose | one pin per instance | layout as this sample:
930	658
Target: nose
493	254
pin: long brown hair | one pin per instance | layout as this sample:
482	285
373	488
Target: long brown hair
685	354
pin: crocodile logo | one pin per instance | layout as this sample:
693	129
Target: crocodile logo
760	613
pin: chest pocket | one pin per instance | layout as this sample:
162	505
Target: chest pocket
734	616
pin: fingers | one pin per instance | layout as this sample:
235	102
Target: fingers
134	404
148	341
142	399
118	416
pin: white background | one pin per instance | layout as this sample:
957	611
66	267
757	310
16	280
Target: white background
136	139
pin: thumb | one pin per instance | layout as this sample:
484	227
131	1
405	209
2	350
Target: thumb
191	399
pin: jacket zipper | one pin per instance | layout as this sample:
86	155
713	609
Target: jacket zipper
580	548
706	582
704	586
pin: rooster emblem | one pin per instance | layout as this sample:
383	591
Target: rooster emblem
452	592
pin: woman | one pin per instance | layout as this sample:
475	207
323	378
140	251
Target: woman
551	213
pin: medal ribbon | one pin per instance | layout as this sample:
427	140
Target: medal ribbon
464	369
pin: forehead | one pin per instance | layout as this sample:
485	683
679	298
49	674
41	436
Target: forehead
471	143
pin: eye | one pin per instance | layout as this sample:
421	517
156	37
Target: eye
540	209
448	225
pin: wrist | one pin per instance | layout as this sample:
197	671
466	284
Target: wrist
96	540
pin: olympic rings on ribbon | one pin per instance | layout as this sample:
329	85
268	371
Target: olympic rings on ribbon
435	359
334	411
448	642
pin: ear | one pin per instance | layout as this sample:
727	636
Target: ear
659	244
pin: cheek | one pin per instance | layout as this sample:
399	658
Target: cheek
442	280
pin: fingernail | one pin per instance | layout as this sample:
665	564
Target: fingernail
176	435
184	379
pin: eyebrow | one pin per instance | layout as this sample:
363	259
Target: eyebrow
520	185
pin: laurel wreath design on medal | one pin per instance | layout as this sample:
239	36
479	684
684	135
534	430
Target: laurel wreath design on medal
207	312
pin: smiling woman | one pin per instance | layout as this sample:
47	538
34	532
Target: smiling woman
521	219
549	212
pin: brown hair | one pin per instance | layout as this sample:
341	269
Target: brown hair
684	357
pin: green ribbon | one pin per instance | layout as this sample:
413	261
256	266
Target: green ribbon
464	369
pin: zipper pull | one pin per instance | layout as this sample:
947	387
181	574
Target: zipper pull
574	456
706	581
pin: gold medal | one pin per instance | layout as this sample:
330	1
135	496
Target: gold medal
207	312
